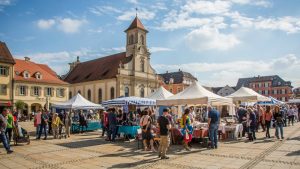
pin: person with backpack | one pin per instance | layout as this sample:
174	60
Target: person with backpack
10	125
3	138
278	116
147	136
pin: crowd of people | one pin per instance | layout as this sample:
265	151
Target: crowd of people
252	118
265	117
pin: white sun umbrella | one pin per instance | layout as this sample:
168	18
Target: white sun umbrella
195	94
160	94
245	94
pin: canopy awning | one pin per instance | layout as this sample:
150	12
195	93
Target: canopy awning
138	101
77	102
273	101
245	94
294	101
160	94
195	94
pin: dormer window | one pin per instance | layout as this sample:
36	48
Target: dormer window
171	80
26	74
38	75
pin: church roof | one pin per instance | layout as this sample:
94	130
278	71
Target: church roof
98	69
5	55
136	23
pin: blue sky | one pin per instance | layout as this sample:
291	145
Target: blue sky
218	41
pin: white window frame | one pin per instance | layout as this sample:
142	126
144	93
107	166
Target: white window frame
4	70
22	90
2	90
61	92
36	91
49	89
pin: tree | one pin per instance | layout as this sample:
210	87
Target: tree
20	105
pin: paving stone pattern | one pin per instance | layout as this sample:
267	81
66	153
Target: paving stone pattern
88	150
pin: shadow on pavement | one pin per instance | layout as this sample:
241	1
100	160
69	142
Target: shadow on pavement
83	143
294	138
294	153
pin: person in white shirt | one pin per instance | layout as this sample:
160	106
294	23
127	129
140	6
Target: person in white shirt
291	115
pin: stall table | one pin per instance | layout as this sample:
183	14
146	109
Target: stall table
92	125
128	131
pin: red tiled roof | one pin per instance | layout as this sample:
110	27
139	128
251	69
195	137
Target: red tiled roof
48	75
98	69
136	23
5	55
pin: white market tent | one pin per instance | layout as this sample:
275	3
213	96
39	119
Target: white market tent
195	94
160	94
245	94
132	100
273	101
77	102
294	101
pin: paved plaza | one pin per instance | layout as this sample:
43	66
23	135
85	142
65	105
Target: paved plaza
91	151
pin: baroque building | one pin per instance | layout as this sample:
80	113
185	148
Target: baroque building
123	74
37	85
6	77
176	82
273	86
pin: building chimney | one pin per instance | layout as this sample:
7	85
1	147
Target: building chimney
77	59
167	71
179	70
27	58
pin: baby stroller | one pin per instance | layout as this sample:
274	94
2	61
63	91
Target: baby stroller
20	135
62	133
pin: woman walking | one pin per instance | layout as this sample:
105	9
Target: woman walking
251	122
55	125
268	118
278	116
147	136
186	128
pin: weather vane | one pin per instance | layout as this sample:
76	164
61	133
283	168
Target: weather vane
136	11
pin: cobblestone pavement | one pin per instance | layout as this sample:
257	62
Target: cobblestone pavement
90	151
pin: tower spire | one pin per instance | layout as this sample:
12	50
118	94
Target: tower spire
136	12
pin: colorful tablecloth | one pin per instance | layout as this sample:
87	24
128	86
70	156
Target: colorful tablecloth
128	130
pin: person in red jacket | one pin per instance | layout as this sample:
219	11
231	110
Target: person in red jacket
104	123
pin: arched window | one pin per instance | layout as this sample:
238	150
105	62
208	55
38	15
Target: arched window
100	95
126	92
142	66
142	92
70	95
89	94
112	93
79	92
131	39
142	39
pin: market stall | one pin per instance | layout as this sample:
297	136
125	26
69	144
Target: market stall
245	94
129	105
79	104
272	101
197	95
160	94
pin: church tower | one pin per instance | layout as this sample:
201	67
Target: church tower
136	46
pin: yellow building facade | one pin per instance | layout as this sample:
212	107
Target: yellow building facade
6	77
37	86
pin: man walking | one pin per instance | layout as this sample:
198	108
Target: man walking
44	124
164	127
112	123
3	124
213	125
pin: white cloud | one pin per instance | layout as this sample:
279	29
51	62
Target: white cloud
207	7
219	74
69	25
97	30
45	24
133	1
142	14
5	2
210	38
159	49
100	10
262	3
